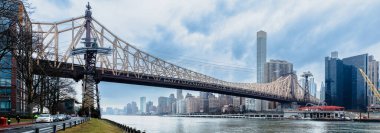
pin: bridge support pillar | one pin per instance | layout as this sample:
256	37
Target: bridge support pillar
90	80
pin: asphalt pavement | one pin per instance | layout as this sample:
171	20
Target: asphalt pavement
44	127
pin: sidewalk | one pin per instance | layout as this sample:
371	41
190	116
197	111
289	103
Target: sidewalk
15	125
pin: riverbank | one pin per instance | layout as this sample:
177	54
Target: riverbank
94	126
159	124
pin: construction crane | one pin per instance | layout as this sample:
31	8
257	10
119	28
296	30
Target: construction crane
371	86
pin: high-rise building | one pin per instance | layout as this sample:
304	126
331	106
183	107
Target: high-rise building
238	103
135	109
273	70
345	86
129	109
323	91
214	104
261	58
225	100
249	104
142	105
171	101
204	103
359	88
12	90
192	104
181	106
373	75
162	107
261	55
179	94
149	107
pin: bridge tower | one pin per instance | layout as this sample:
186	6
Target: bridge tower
306	75
90	51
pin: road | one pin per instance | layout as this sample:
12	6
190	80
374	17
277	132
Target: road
44	127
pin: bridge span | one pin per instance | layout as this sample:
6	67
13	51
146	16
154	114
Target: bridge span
127	64
257	91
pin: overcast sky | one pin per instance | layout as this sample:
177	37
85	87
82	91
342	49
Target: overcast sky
218	37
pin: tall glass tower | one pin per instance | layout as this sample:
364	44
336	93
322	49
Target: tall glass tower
261	55
142	104
261	60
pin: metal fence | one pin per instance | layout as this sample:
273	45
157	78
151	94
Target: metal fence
125	128
56	127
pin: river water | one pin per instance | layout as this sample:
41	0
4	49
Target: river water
157	124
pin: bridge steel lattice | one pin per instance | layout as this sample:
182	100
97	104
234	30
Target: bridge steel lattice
128	64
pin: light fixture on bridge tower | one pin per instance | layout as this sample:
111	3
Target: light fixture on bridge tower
90	51
306	75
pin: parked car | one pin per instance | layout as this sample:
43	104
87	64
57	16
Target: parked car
55	118
68	117
61	117
44	118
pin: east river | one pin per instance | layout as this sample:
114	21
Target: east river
158	124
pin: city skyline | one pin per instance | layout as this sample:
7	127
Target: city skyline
193	39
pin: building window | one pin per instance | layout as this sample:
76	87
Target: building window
4	105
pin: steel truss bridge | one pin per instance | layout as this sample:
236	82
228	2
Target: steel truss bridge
130	65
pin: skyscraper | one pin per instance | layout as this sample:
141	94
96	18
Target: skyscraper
171	101
345	86
323	91
261	59
149	107
204	103
192	104
179	94
261	55
214	104
134	107
273	70
181	106
142	104
162	107
129	109
359	88
373	74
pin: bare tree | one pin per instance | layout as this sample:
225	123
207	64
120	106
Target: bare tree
51	91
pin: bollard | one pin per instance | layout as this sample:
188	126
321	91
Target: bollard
70	124
37	130
75	123
54	128
64	126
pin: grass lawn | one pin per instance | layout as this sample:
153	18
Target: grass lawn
94	126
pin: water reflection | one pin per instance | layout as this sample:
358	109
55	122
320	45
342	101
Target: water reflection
156	124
